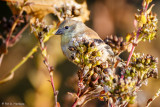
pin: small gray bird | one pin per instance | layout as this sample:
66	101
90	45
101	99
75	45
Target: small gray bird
74	35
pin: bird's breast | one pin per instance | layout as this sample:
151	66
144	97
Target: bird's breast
66	42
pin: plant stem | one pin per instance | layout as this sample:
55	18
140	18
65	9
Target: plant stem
75	103
20	32
130	55
153	98
51	77
46	62
133	48
12	28
34	49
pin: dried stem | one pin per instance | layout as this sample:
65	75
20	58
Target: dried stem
20	32
33	50
80	94
153	98
13	27
50	68
75	103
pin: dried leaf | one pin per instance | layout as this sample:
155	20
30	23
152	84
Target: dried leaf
40	8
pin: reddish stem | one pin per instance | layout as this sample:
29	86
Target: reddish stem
75	103
46	62
19	33
12	29
130	55
55	92
133	48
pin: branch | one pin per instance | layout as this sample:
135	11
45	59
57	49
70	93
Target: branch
12	28
153	98
7	78
50	68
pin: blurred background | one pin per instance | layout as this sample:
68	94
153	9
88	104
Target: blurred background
30	84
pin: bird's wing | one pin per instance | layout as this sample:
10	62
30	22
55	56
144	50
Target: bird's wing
92	34
95	37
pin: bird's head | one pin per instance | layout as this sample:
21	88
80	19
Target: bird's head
69	27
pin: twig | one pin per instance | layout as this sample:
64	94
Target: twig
153	98
75	103
50	68
79	94
20	63
20	32
12	28
133	48
87	101
33	50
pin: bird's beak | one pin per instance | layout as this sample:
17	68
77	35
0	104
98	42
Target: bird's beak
59	32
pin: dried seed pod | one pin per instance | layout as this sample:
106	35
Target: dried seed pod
106	70
116	43
94	76
114	80
72	48
46	29
86	43
92	44
115	38
91	84
105	79
94	53
40	35
111	37
73	56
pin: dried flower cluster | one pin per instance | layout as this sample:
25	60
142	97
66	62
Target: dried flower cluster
71	8
102	73
146	24
114	80
117	44
40	29
136	74
100	79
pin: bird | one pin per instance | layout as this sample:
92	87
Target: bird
77	38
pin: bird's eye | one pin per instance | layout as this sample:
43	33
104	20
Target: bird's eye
66	27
